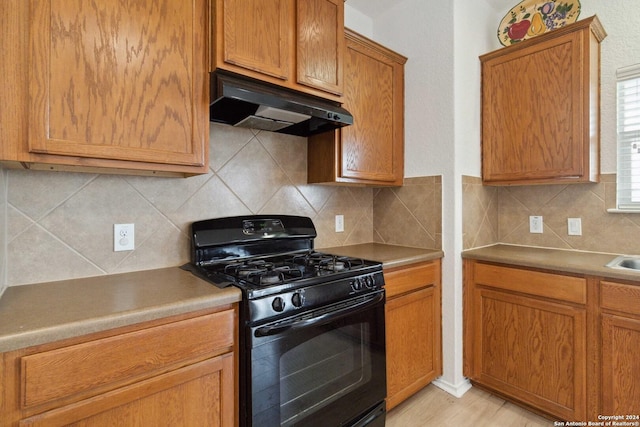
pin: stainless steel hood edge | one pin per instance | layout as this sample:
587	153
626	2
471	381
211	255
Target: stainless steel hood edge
243	102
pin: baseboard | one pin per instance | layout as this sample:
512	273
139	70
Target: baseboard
457	390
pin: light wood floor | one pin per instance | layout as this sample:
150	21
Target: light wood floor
433	407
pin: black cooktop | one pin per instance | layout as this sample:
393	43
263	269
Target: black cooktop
266	254
285	271
280	268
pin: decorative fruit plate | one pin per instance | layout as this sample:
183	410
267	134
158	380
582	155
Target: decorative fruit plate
530	18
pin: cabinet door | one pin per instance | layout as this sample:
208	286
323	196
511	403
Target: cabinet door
620	365
196	395
373	147
540	101
320	44
532	111
119	80
371	151
256	35
531	350
412	329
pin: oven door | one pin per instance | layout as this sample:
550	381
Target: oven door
323	368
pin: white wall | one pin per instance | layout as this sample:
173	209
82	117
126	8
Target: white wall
357	21
621	21
472	37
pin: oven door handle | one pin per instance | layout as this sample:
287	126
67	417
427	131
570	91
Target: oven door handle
299	323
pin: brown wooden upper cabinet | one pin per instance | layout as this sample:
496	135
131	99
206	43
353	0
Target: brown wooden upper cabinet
541	108
297	44
106	84
371	151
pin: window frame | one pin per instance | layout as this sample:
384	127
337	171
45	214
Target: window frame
628	139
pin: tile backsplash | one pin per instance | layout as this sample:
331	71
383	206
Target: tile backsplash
60	225
3	230
501	214
410	215
479	213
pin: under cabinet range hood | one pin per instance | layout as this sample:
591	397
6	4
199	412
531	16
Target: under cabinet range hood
243	102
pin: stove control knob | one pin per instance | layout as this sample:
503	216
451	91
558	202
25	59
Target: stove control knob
278	304
369	282
297	300
357	284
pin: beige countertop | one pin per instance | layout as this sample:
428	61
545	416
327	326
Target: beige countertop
46	312
389	255
568	261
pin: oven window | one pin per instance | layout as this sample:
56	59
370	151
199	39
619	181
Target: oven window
322	370
321	375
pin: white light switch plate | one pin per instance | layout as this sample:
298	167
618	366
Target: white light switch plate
339	223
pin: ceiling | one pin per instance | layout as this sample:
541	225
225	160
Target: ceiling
373	8
502	5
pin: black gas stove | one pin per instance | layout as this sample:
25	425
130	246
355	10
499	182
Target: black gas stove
273	256
312	343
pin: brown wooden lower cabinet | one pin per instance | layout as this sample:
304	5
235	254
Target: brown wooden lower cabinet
413	329
178	372
525	337
620	348
561	344
532	350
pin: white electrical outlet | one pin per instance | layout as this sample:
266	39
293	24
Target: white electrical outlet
339	223
574	226
535	224
123	237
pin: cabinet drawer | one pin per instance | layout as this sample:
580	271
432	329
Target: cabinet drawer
556	286
194	395
620	297
406	279
107	363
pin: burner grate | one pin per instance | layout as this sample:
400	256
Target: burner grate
263	272
283	270
324	264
